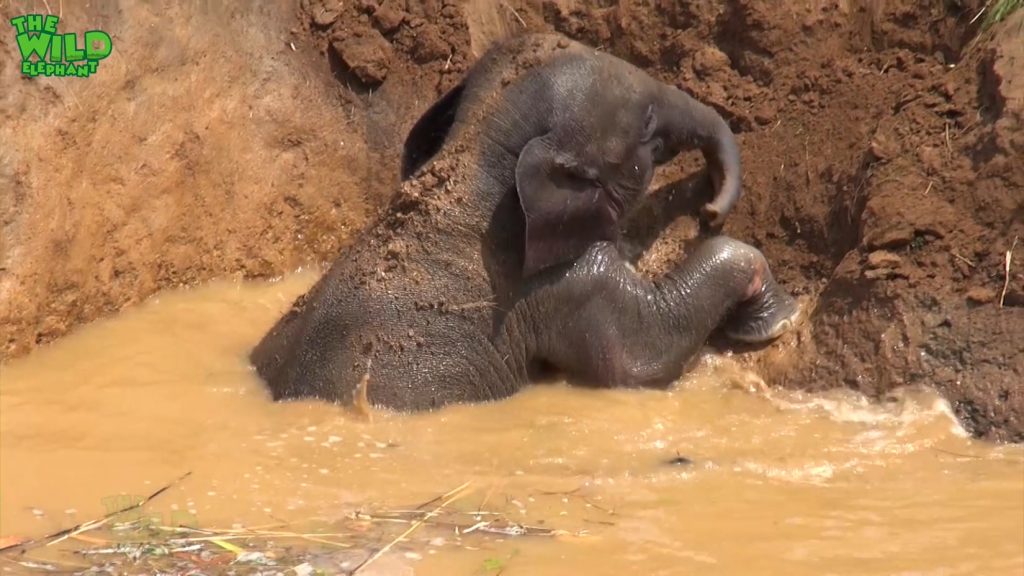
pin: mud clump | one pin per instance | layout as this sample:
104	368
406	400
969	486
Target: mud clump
368	56
880	141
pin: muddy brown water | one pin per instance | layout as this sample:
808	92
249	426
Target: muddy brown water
780	481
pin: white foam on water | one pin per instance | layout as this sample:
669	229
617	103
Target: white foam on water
904	409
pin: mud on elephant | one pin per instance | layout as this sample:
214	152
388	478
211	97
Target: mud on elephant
499	251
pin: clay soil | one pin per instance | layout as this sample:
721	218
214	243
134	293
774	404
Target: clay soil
882	145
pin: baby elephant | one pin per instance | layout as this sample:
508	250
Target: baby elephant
499	252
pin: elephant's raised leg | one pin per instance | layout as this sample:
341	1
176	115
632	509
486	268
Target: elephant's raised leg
605	324
769	312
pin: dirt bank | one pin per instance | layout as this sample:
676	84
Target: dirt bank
881	141
203	146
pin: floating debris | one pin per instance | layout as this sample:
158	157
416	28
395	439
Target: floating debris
351	542
679	461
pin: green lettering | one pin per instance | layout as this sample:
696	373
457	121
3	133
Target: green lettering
35	22
97	45
57	49
30	44
50	24
19	24
58	54
72	53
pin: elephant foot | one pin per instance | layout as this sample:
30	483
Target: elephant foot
769	313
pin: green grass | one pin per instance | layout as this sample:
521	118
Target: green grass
999	10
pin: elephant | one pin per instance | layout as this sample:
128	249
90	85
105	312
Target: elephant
498	255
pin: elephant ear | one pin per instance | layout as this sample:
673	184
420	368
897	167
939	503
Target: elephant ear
566	211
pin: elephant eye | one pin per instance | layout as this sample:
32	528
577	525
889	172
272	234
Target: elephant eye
657	148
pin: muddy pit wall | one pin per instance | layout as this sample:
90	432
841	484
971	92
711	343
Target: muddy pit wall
881	145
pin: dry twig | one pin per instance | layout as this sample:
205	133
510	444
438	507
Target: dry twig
61	535
1006	270
962	259
455	494
516	14
980	12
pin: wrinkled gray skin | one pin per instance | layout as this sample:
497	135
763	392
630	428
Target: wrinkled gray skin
499	254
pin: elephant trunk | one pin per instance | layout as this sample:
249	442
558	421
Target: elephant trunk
690	124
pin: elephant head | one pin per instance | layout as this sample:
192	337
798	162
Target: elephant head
588	130
576	181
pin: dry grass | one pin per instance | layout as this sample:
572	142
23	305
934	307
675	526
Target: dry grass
347	545
998	10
